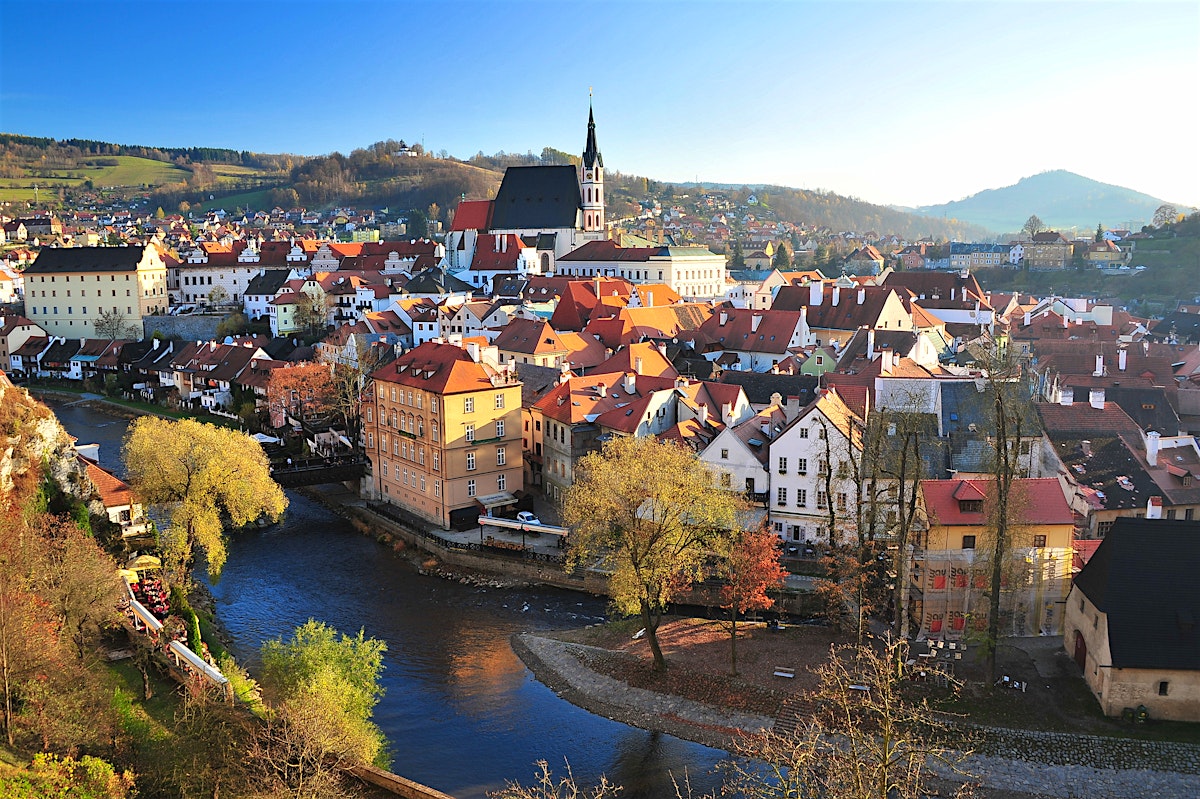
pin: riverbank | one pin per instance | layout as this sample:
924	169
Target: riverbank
1049	765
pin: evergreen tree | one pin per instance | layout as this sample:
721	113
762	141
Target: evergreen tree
783	259
737	260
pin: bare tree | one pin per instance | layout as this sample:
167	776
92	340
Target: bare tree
113	325
1033	225
1164	215
870	737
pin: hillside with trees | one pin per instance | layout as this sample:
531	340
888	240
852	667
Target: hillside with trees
1065	201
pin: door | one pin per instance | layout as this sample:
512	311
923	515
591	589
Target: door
1080	651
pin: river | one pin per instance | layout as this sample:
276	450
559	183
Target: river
461	711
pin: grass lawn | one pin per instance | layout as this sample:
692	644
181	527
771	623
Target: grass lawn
253	200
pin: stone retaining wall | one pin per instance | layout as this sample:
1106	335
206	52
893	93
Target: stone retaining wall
1094	751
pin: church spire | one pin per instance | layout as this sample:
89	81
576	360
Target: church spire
591	154
591	179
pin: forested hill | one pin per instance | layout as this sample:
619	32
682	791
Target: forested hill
1061	199
386	174
819	209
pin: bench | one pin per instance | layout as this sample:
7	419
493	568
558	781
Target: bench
784	671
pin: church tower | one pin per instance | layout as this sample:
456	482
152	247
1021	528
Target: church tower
591	180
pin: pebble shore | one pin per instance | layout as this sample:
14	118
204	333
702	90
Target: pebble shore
1046	773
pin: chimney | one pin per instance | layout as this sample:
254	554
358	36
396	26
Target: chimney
496	244
837	294
724	317
755	321
862	296
816	292
630	382
702	417
870	344
1152	447
1027	319
1121	356
597	286
473	350
1099	366
504	244
727	413
637	364
1096	398
1086	446
649	299
602	390
1066	396
662	348
1154	508
952	292
791	409
777	399
153	343
885	368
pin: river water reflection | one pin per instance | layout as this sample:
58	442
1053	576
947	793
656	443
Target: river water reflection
461	711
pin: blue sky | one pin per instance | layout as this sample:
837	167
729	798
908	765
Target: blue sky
894	102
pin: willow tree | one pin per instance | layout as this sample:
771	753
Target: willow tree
653	511
204	477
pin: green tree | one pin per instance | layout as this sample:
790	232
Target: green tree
322	688
737	259
417	226
651	512
1099	232
203	476
159	213
232	325
783	259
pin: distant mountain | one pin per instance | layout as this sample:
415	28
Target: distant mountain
1061	199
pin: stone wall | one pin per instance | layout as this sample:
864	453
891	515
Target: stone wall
193	327
1063	749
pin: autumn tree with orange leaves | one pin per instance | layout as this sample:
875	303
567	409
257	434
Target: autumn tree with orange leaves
750	569
303	392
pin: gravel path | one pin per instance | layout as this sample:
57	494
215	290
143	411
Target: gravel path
557	664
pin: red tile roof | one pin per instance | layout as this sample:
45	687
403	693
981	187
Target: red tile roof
1035	500
440	368
472	215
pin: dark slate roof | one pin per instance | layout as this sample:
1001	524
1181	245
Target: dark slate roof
1185	327
759	386
1111	469
267	283
963	404
509	285
591	154
537	197
86	259
61	352
435	280
1143	576
1148	406
690	363
535	381
280	348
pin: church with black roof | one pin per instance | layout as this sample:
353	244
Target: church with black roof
551	210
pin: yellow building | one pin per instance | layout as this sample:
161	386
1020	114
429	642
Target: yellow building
68	288
443	432
950	567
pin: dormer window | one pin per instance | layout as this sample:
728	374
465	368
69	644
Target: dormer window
970	506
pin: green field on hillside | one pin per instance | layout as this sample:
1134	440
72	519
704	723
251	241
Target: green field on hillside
252	200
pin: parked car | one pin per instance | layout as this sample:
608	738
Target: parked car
525	517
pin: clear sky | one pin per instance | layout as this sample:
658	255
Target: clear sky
903	103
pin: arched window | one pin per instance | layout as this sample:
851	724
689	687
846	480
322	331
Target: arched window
545	262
